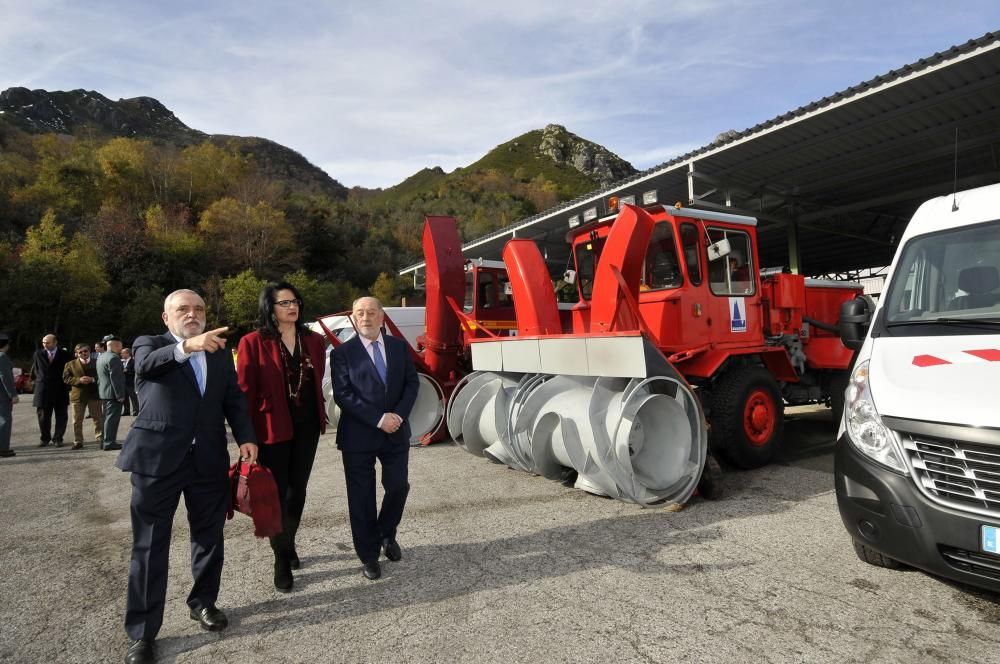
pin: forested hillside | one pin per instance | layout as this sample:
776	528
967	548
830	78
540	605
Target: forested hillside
107	206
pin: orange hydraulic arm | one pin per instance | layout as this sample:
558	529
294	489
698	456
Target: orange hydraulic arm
445	279
619	271
534	297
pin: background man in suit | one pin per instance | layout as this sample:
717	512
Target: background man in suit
81	376
131	405
51	396
111	389
177	445
8	397
375	385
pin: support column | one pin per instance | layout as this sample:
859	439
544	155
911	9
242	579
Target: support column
691	183
794	257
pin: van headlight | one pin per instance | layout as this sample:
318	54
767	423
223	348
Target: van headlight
864	426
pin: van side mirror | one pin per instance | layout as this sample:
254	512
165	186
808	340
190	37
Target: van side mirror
855	317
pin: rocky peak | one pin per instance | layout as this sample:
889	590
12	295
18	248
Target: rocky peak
65	112
591	159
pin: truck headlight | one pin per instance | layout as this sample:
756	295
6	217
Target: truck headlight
864	426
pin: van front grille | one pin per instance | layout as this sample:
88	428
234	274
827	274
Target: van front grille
961	475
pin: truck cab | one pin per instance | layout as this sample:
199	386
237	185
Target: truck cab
918	453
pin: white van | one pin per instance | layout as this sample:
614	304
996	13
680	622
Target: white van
918	454
410	321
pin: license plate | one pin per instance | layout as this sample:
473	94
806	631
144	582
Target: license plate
991	539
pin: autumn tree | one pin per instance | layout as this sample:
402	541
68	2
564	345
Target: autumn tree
248	237
123	163
207	173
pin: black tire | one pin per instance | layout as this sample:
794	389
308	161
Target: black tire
873	557
730	407
838	385
710	484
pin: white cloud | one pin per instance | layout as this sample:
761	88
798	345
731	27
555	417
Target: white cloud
373	91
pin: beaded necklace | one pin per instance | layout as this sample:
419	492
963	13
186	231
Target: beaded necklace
290	370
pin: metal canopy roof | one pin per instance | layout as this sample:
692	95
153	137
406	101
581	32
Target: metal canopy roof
837	179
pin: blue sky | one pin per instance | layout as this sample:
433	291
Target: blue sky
373	91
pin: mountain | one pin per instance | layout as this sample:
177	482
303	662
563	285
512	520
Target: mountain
85	112
570	164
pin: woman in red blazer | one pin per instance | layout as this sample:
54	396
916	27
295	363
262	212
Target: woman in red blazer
280	368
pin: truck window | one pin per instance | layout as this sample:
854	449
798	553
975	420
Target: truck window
953	273
587	254
470	276
732	274
486	296
689	246
661	269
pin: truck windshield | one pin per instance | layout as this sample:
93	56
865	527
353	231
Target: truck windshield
947	277
587	255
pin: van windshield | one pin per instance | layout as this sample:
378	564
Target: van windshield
953	275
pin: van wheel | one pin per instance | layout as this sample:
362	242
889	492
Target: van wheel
873	557
838	385
747	416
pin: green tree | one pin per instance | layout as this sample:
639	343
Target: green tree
239	298
390	289
58	278
141	315
322	297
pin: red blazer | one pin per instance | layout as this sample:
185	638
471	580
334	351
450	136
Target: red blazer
262	379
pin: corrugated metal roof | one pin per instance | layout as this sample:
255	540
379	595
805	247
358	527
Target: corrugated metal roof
848	169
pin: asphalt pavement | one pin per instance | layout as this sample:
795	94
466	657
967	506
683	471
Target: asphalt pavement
498	566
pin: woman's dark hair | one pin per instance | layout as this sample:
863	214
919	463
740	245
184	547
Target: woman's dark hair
265	307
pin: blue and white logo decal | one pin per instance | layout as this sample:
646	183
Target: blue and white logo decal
737	314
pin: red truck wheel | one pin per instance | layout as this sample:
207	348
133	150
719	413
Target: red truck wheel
747	416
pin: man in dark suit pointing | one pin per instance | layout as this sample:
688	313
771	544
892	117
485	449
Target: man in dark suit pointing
375	385
177	445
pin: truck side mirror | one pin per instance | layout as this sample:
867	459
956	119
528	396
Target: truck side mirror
717	250
855	317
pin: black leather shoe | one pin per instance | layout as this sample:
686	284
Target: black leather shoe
392	550
110	447
210	618
372	570
57	443
44	443
293	560
139	651
7	453
283	579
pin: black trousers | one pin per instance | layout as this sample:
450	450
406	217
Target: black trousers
368	527
291	464
131	402
45	422
154	502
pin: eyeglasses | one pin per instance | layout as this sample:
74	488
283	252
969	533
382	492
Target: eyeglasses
288	303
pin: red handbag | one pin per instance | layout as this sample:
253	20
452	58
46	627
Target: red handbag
254	492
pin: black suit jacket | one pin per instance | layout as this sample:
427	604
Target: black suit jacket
173	412
128	366
363	399
50	390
